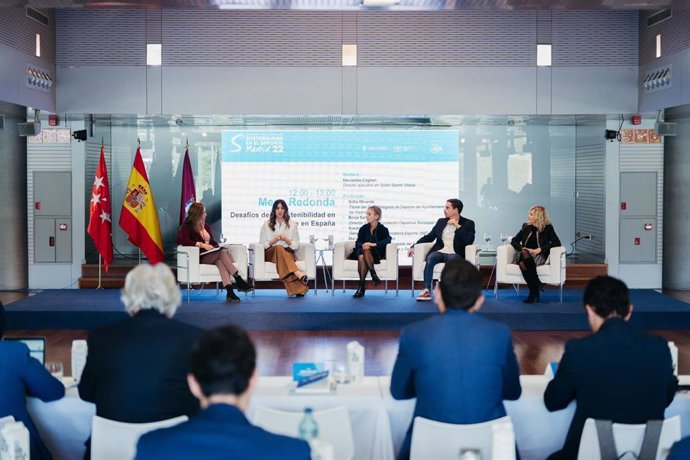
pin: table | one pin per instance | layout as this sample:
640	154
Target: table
379	422
65	424
321	260
368	418
538	432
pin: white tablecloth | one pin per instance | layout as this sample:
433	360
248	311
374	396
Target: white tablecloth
538	432
370	427
379	423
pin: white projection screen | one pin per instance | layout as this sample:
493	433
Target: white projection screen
329	178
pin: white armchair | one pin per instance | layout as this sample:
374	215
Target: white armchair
345	269
260	270
190	271
419	261
552	272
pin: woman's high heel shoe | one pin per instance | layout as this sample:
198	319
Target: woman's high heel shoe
359	292
304	279
374	277
532	297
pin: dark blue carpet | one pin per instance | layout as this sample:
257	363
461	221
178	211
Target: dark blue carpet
270	309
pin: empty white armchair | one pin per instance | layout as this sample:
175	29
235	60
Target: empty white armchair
260	270
346	270
190	271
628	438
419	261
552	272
111	440
494	439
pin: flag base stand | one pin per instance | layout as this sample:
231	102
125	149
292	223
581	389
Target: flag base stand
100	286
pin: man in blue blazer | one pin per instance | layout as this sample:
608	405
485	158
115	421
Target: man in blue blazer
22	376
452	234
680	450
459	365
223	376
616	374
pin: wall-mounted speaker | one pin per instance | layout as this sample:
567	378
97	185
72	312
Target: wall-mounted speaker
665	128
30	128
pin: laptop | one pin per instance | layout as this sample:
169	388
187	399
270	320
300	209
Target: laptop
36	345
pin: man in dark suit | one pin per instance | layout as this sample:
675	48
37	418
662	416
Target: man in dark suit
617	373
22	376
460	366
136	370
223	378
452	234
680	450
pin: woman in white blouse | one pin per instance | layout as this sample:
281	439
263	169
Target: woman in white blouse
280	238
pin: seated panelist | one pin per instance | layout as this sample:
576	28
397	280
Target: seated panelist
370	247
194	231
280	238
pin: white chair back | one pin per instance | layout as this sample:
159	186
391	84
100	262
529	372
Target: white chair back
628	438
334	426
440	441
111	440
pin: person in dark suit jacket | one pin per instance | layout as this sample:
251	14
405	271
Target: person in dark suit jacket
22	376
452	234
460	366
617	373
532	245
136	369
370	248
680	450
223	377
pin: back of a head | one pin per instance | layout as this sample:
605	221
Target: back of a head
460	284
607	296
151	287
223	361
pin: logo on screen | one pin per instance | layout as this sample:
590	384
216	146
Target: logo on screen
236	147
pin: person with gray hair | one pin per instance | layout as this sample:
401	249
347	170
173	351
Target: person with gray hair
136	369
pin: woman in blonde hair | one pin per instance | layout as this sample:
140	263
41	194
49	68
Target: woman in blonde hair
532	245
370	248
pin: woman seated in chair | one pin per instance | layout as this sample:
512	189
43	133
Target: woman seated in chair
532	245
280	238
370	248
194	231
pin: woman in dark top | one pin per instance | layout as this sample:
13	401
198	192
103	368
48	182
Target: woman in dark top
370	247
532	245
194	231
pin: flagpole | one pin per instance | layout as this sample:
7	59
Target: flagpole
99	272
139	256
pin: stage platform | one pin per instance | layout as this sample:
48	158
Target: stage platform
271	309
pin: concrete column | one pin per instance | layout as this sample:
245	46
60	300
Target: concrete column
14	269
676	269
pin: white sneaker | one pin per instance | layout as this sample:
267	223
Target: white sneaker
424	295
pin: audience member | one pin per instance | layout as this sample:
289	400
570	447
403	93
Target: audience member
460	366
223	378
617	373
22	376
680	450
136	369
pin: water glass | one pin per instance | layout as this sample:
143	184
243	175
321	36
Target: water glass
56	369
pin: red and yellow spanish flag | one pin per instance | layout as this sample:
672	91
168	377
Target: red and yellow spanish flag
139	216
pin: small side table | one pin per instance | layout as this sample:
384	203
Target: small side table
321	260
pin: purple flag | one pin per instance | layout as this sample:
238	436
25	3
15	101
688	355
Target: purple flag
188	191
